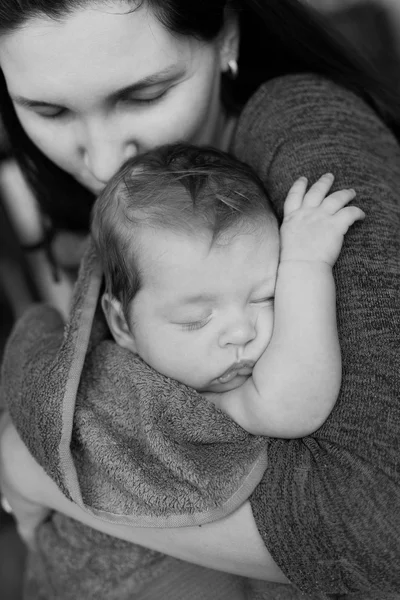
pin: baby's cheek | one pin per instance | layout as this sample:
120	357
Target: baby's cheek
168	357
190	368
265	328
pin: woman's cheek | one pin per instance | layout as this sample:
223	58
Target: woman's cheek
183	115
52	143
175	126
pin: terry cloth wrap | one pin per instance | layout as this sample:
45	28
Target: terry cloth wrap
126	444
122	441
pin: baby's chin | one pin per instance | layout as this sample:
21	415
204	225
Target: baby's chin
219	388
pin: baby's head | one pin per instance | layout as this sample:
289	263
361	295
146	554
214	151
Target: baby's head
189	246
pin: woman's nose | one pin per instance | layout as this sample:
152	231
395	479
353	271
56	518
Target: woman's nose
238	333
103	156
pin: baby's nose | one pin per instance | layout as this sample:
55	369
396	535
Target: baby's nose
238	333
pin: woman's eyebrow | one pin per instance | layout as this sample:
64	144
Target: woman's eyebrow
28	103
169	73
165	75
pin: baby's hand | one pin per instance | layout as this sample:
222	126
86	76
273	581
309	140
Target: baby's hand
314	224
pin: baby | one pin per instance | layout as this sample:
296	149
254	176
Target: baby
205	288
202	285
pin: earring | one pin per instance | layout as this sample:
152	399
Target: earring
233	68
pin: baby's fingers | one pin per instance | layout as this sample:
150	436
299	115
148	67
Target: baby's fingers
347	216
295	196
336	201
318	191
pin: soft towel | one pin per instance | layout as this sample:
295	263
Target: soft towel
119	439
128	445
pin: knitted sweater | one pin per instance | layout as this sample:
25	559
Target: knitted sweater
328	507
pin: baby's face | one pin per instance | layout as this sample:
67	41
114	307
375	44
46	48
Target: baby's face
204	315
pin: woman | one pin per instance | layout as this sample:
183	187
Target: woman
87	85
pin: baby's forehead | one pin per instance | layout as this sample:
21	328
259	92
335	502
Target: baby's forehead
170	260
196	235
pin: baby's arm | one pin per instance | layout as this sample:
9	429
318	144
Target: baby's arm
296	382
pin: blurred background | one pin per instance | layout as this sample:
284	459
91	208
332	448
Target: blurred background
373	26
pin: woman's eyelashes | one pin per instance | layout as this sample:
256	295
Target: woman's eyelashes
151	99
50	113
136	101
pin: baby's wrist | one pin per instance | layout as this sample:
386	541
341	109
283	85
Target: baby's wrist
302	264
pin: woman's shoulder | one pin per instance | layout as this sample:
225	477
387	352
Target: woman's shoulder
296	92
296	103
306	123
304	85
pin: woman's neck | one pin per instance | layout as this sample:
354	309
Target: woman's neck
226	131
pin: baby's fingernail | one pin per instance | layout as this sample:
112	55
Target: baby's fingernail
330	175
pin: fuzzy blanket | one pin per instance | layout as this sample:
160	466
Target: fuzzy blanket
127	445
122	441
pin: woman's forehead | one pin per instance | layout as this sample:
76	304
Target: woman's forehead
101	45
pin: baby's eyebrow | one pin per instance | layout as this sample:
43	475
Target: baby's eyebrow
202	298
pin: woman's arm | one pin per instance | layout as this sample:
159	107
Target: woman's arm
328	506
24	214
232	544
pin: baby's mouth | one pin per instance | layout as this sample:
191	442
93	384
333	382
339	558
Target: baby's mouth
243	367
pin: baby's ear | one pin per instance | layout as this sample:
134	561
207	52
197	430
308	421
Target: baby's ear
117	323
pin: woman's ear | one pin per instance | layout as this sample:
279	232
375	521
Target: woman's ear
117	323
229	40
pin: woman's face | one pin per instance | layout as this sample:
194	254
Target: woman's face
105	84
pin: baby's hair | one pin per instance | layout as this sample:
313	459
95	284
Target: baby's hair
180	188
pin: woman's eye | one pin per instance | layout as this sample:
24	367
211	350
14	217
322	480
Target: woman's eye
53	114
147	99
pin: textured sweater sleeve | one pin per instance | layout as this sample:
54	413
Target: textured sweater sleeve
328	507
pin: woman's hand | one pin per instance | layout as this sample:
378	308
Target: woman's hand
68	249
27	514
27	223
232	544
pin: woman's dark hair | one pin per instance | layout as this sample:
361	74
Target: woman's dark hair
278	37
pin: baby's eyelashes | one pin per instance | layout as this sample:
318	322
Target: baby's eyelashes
267	300
193	325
